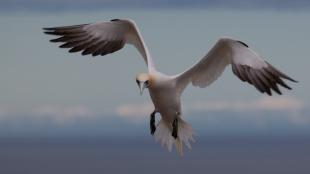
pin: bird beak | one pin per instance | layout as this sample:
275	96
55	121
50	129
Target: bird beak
141	86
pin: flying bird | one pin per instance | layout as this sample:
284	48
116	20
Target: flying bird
103	38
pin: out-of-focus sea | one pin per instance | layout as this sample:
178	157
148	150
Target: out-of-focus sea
140	155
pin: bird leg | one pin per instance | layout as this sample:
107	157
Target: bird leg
175	128
152	123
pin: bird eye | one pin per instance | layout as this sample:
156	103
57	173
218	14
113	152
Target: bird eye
146	83
137	81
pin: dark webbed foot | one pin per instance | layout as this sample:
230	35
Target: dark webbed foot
152	123
175	128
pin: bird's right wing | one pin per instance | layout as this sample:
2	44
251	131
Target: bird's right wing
101	38
247	65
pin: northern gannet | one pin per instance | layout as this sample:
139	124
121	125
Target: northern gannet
103	38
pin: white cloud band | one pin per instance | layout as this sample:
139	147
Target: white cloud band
291	105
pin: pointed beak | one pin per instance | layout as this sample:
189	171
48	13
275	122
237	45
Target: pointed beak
141	86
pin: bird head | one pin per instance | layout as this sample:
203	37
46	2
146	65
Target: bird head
143	81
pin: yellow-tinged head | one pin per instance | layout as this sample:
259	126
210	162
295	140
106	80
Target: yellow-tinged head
143	81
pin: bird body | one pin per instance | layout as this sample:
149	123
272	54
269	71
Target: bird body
165	98
103	38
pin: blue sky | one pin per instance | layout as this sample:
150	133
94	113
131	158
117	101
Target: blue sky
63	5
45	88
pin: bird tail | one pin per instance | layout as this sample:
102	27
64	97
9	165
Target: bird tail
185	135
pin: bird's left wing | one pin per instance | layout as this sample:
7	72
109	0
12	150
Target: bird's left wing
101	38
246	64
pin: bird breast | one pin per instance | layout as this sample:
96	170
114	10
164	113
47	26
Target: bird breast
166	99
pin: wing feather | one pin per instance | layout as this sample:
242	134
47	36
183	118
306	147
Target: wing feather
247	65
101	38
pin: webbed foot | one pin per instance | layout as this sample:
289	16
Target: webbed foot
152	123
175	128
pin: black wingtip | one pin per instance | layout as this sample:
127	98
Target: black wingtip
269	93
281	74
55	40
46	29
244	44
290	79
295	81
50	32
113	20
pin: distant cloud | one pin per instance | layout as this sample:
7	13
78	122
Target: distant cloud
281	103
62	114
292	106
135	111
57	114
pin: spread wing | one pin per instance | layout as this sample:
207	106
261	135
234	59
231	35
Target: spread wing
101	38
247	65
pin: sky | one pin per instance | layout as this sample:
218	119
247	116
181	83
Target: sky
67	113
46	88
63	5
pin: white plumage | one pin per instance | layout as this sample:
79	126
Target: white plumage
103	38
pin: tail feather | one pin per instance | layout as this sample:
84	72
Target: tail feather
185	135
163	135
179	146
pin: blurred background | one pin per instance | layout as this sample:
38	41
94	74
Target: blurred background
67	113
